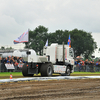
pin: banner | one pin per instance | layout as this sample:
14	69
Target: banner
9	66
20	65
22	38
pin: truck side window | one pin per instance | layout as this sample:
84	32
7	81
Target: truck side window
71	52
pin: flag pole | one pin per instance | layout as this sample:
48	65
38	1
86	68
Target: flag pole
28	38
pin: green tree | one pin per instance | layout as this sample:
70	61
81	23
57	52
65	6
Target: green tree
2	48
8	48
58	36
82	43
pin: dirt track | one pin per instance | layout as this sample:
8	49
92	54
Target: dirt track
85	89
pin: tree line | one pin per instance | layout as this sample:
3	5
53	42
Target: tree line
82	42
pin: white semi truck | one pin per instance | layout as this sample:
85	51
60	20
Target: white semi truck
56	59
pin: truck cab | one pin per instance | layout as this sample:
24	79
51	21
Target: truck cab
56	59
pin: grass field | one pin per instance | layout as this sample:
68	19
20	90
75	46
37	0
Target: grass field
13	73
73	74
86	73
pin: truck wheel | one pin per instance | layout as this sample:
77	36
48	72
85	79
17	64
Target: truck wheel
25	70
46	69
68	71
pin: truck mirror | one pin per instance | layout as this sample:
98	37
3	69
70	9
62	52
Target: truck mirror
93	56
45	47
28	52
44	54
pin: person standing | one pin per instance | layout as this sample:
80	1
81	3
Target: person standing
86	65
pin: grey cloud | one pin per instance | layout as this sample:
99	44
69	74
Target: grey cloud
17	16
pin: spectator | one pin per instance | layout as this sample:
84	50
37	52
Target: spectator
8	61
91	66
15	58
5	60
9	58
86	62
12	60
21	59
86	65
0	60
18	59
76	61
81	64
16	65
99	62
93	62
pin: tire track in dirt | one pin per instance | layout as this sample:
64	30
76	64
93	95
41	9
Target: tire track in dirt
85	89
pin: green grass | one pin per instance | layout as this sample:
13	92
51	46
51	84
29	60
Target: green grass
20	73
87	72
13	73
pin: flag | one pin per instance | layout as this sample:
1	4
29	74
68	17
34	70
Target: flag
22	38
46	43
69	41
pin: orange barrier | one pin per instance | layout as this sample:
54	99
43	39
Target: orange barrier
10	76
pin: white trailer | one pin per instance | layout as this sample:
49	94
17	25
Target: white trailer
56	59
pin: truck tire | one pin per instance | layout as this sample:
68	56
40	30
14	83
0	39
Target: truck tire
46	69
67	72
25	71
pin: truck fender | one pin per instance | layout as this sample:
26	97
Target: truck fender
68	63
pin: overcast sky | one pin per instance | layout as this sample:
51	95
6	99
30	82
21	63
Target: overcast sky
16	16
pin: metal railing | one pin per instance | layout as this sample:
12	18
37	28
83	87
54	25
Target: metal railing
3	68
87	68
